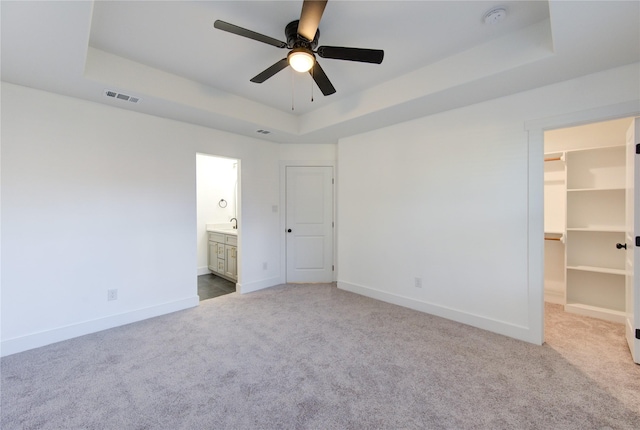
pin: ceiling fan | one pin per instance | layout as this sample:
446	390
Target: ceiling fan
302	40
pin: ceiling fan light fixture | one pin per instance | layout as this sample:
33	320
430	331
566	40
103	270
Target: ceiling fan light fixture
301	60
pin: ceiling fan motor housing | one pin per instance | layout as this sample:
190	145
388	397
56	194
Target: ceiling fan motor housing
294	40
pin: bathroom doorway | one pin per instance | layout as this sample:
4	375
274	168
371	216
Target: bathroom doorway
218	226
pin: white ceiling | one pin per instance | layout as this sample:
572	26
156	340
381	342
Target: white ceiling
438	55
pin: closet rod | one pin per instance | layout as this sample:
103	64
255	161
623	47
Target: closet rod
553	159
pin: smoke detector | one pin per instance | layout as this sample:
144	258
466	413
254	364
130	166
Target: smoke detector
495	16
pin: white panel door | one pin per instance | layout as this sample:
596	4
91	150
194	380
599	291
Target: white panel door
309	224
632	283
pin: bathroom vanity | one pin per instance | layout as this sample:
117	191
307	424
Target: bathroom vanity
223	253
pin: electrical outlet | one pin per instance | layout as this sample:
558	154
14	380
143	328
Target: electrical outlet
274	208
264	266
112	295
418	283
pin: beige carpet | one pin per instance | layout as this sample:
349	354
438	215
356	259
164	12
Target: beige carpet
315	357
596	347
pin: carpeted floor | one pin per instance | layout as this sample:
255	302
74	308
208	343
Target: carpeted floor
598	349
315	357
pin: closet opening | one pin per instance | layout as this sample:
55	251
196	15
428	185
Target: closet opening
218	225
586	260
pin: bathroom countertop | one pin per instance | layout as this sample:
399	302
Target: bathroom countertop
223	229
233	232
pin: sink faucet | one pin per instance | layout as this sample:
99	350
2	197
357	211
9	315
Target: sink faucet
235	226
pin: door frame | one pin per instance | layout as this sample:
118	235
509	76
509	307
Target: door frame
535	215
632	283
238	204
283	212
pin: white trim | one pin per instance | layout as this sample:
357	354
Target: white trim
484	323
536	129
257	285
36	340
535	236
554	296
203	270
283	212
595	312
606	113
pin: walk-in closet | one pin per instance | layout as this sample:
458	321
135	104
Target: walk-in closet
584	196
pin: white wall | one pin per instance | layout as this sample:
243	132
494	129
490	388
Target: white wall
595	135
95	197
215	180
445	198
308	152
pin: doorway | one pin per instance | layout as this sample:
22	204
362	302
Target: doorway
218	213
309	224
585	183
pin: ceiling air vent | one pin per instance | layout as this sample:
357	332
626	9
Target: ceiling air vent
120	96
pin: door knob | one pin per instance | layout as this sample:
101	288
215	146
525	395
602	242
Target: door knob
289	231
620	246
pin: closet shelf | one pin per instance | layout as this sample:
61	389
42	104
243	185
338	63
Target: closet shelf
573	190
596	312
601	229
598	270
587	200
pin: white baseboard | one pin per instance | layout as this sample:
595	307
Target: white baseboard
257	285
36	340
554	296
596	312
500	327
204	270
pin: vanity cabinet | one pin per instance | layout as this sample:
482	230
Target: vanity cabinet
231	262
223	255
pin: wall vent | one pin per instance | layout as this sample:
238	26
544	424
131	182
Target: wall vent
120	96
263	131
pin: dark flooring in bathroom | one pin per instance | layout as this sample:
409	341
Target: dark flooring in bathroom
210	286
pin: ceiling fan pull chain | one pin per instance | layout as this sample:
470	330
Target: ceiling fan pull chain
312	80
292	87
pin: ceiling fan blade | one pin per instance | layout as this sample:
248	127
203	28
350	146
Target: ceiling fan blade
352	54
225	26
269	72
310	18
322	80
